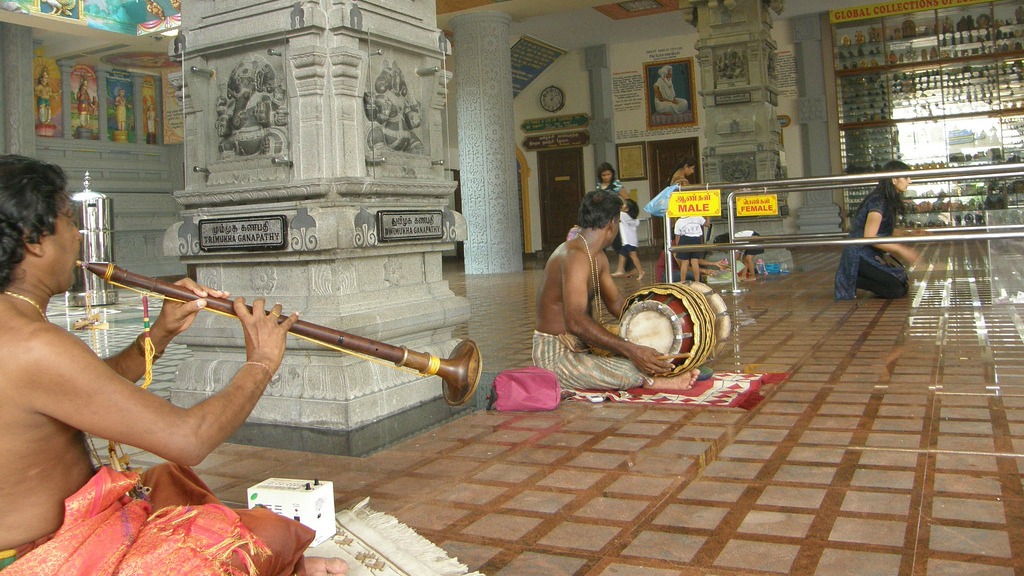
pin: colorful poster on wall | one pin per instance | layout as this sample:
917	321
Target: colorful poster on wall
174	120
85	124
47	95
149	109
120	106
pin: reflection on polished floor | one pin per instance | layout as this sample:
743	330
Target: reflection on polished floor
895	447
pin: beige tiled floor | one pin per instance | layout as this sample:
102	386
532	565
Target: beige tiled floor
894	447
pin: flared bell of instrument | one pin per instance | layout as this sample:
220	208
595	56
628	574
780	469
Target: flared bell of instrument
461	373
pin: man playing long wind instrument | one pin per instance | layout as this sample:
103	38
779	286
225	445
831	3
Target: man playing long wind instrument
64	514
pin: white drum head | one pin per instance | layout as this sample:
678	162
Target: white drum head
654	324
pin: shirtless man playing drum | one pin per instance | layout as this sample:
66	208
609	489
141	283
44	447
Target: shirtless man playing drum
565	328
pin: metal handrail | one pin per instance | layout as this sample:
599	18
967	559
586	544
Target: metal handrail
735	246
865	179
782	240
817	183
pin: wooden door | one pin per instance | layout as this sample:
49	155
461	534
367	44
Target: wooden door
663	156
560	176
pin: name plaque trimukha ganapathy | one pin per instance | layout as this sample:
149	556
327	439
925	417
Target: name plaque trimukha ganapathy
248	233
395	225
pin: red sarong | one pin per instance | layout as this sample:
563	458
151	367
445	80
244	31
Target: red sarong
107	532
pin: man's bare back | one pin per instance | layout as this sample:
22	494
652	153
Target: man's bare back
50	461
550	316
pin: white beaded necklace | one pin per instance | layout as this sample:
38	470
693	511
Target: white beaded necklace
593	273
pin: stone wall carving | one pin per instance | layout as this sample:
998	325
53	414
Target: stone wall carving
252	110
738	168
302	236
365	229
731	68
393	112
264	279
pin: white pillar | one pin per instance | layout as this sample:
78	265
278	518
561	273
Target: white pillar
487	153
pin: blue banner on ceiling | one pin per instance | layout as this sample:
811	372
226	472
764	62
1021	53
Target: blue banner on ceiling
530	57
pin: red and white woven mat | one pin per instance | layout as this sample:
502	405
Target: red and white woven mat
730	389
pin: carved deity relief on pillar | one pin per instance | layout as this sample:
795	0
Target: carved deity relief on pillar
252	110
394	113
403	102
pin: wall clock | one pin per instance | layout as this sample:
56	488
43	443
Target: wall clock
552	99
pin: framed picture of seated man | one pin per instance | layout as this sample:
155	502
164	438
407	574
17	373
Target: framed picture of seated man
670	94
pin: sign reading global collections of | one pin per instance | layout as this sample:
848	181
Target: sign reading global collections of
395	225
702	203
894	8
248	233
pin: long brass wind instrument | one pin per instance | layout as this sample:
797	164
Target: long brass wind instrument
460	372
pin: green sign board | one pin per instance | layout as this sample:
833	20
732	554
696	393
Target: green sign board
566	122
560	140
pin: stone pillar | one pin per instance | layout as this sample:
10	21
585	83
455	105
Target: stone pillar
67	91
600	79
487	152
738	87
819	212
18	100
743	139
140	121
158	103
101	103
312	179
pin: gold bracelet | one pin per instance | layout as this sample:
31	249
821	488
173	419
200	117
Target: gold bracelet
140	345
262	365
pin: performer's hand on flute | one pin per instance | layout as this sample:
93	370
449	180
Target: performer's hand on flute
175	317
265	333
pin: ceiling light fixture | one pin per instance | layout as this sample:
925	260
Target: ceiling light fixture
640	5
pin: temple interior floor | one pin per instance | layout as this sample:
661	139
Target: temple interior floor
895	446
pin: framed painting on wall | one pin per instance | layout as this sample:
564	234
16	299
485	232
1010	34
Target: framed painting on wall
85	123
632	160
670	94
120	106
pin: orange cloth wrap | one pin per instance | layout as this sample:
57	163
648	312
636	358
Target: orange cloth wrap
106	532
